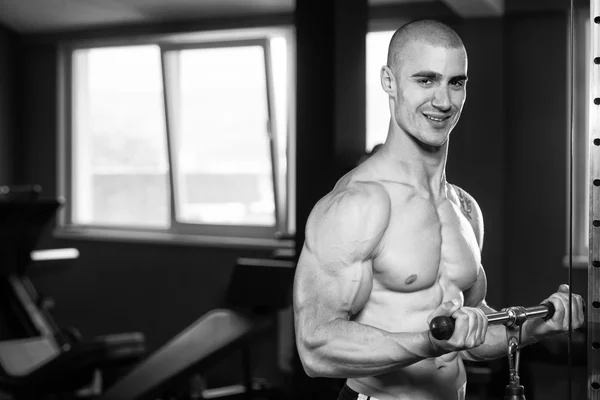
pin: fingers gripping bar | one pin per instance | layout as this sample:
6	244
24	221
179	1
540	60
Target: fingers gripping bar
442	327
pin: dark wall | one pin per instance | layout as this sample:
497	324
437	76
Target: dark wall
537	131
9	102
536	159
39	118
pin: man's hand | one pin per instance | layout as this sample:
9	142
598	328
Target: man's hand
559	322
470	327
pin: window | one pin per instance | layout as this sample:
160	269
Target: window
185	135
378	114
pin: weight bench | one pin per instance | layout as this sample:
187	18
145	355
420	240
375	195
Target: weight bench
251	303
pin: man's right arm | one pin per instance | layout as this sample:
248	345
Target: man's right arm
333	281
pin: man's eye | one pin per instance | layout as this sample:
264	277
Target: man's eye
457	83
425	81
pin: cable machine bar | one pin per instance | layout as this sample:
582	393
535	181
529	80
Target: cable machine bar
593	336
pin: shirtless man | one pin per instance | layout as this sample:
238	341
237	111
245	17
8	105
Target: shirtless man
394	245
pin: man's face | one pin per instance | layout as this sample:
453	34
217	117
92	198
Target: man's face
431	91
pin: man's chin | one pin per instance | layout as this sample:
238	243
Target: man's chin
431	146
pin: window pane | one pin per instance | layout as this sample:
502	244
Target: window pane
221	143
120	169
378	114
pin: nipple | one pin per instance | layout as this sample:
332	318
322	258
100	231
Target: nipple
410	279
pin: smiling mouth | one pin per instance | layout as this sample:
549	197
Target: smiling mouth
436	119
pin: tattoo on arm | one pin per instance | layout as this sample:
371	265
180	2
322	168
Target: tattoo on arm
467	206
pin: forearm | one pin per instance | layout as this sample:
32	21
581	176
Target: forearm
347	349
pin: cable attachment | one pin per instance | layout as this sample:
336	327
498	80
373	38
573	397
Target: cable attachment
517	317
514	354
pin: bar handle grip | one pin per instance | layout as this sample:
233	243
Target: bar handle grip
551	310
442	327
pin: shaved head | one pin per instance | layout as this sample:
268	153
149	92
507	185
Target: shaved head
426	31
425	79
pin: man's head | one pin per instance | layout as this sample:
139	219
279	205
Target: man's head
425	78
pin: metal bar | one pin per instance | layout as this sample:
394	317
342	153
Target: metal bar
593	334
442	326
536	312
498	319
507	318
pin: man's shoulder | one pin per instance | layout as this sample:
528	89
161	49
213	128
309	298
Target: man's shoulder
353	200
356	212
354	192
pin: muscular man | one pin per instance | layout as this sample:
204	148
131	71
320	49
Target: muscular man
394	245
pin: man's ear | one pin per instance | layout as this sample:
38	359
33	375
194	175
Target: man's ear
388	81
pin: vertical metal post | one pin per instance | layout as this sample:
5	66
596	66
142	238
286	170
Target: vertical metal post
593	337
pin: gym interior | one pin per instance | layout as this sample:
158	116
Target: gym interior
168	286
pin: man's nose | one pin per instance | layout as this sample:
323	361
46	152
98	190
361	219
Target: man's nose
441	99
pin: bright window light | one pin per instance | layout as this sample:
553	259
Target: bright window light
378	110
119	157
221	139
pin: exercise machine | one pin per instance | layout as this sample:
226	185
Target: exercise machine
39	359
250	309
48	360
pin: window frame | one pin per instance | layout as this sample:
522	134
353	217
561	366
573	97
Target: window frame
220	230
276	236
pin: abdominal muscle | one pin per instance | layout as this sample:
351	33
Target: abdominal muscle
441	378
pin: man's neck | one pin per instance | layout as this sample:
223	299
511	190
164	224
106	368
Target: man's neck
425	165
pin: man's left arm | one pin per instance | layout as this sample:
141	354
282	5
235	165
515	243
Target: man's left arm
495	345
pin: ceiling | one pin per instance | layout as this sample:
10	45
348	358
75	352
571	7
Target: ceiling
48	16
35	16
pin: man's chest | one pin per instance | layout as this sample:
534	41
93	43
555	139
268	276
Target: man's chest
426	243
